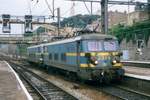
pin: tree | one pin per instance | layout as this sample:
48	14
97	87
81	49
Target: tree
130	32
79	21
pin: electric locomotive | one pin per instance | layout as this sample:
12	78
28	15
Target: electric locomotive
89	57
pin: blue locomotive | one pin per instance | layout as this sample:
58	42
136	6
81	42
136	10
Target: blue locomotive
88	57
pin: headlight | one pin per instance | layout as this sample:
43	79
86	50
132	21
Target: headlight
96	62
114	61
41	59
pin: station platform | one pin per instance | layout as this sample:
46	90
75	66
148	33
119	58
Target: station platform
11	87
135	61
137	72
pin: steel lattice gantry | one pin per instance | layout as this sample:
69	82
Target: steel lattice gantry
27	20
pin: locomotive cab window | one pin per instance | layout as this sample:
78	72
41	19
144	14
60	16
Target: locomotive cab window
92	45
111	45
100	45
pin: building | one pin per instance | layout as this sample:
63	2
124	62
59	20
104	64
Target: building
142	12
137	16
115	18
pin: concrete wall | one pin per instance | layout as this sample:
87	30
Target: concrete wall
132	49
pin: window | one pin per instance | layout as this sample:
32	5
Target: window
55	56
50	56
45	49
63	57
110	45
39	49
32	55
94	46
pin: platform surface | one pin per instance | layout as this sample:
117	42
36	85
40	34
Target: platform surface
136	61
137	72
11	87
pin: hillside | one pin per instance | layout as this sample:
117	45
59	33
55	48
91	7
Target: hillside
78	21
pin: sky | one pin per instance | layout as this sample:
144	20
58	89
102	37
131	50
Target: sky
22	7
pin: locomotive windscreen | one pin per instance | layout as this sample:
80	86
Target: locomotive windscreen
94	46
100	45
110	45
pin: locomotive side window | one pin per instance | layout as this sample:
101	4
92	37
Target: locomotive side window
39	50
63	57
45	49
55	56
50	56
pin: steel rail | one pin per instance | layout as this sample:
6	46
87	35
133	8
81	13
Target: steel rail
46	89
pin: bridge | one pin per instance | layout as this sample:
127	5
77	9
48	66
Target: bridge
21	39
21	19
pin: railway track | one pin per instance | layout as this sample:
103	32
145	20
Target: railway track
31	90
122	92
44	88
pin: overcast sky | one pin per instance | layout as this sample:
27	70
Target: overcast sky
22	7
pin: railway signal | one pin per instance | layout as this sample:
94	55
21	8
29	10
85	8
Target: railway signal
140	43
28	24
6	27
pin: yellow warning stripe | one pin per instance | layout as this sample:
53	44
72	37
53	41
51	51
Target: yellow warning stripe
118	65
93	54
100	54
82	54
115	53
86	65
71	54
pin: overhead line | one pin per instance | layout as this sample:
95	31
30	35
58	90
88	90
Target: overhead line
48	6
112	2
86	6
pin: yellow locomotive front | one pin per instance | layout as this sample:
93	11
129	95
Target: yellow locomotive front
101	59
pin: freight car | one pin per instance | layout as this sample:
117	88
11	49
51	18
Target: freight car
88	57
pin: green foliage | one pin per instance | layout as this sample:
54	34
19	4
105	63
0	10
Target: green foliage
130	33
79	21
